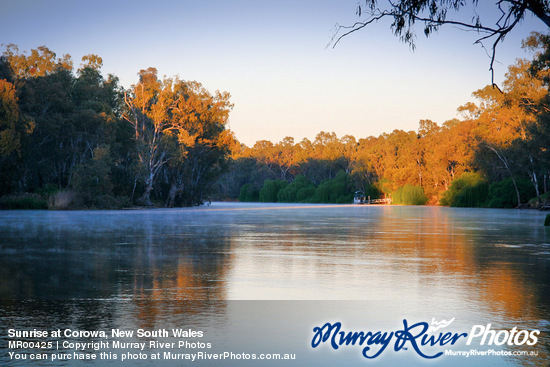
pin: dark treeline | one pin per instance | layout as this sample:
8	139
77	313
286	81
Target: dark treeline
74	138
496	155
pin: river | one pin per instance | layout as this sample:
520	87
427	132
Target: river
260	277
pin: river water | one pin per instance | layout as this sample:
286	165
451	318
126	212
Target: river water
257	278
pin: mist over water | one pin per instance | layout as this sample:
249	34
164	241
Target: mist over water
209	267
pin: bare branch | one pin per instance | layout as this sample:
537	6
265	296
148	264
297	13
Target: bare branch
355	27
405	13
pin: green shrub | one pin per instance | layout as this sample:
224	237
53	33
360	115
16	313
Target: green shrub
536	202
47	190
322	193
289	194
337	190
502	194
23	201
305	194
397	196
409	195
93	179
249	193
373	191
468	190
547	220
268	193
345	199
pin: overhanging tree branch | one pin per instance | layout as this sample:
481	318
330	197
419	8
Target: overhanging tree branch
434	14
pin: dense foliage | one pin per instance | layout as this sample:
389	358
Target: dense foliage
78	139
470	189
495	155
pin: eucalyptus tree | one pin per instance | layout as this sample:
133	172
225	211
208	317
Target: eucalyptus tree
148	111
200	142
179	127
14	128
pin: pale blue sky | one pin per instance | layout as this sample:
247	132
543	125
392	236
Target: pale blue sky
272	57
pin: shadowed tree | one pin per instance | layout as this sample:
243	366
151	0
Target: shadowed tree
13	127
501	120
200	141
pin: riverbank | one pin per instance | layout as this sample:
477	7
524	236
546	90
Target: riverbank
69	200
62	200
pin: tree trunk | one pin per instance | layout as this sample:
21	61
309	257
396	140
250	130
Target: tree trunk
535	182
533	177
171	200
503	160
134	189
146	198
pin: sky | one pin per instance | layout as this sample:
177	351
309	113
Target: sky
272	57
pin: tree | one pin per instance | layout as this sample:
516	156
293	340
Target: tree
200	141
432	14
409	195
503	118
53	148
92	180
285	156
399	158
448	152
10	136
532	149
179	127
338	190
264	152
295	191
60	128
349	152
41	61
468	190
91	61
268	193
71	114
13	128
148	107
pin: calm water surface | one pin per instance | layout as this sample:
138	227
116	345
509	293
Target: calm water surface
222	266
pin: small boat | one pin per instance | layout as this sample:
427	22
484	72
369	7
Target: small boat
359	197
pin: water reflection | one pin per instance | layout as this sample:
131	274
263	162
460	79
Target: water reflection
99	269
104	255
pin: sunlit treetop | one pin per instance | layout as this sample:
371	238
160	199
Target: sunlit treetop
40	62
